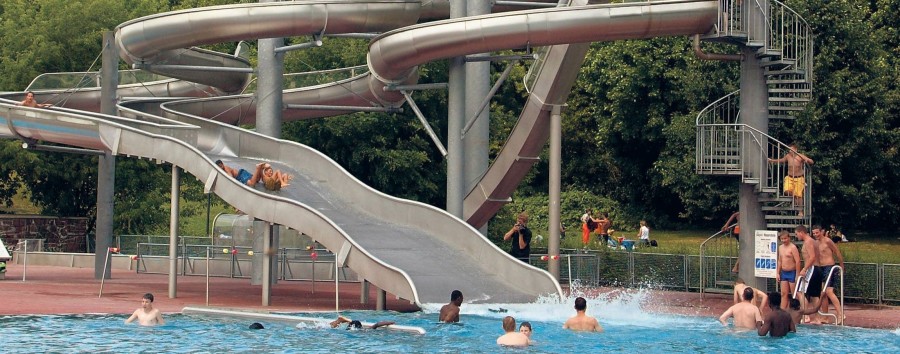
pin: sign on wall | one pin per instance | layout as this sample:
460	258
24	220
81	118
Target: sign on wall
766	253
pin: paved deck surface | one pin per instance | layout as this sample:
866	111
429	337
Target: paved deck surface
63	290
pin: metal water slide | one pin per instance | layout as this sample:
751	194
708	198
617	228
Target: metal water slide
395	55
412	250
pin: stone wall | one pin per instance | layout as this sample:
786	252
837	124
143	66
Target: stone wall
59	234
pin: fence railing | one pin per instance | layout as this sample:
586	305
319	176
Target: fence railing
867	282
238	261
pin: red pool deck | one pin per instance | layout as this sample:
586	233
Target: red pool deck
63	290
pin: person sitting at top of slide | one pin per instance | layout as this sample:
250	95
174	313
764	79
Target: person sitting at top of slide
581	321
30	102
272	180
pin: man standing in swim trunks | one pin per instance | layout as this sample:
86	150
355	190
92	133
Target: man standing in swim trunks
786	269
811	285
827	251
795	181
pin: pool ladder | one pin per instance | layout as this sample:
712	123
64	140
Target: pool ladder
837	321
825	286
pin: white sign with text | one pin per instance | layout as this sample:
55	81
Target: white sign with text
766	253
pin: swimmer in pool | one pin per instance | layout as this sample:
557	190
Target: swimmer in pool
450	312
745	314
146	314
511	338
581	321
354	324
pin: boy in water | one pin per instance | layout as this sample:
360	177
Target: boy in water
146	314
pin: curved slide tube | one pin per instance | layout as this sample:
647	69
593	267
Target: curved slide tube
395	55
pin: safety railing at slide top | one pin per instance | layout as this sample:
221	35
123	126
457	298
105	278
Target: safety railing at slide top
865	282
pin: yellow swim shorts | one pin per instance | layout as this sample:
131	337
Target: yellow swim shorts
794	185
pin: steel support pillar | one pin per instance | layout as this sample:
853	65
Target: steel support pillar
478	85
754	112
106	163
269	83
456	118
555	186
173	231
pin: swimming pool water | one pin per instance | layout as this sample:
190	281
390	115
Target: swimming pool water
628	329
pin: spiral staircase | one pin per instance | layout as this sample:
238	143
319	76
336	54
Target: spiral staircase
727	146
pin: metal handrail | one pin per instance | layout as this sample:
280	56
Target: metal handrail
702	248
825	286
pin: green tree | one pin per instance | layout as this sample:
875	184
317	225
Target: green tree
849	129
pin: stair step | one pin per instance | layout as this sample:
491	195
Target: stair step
763	52
701	171
768	189
725	282
782	226
786	72
751	180
765	199
783	217
787	81
782	61
802	92
781	116
790	89
788	99
787	108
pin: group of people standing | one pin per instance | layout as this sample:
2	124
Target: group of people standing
602	226
806	290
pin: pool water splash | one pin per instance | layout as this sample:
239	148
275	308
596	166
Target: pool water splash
619	307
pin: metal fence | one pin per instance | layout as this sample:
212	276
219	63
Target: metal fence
863	282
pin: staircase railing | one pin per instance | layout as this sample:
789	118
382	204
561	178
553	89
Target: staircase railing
718	143
789	35
715	268
722	147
